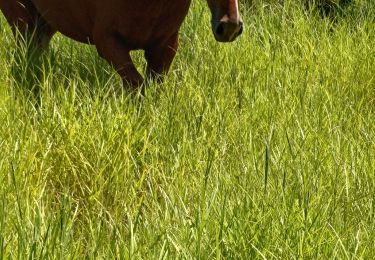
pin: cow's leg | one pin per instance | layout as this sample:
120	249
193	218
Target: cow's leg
159	58
42	33
27	24
19	14
33	34
111	47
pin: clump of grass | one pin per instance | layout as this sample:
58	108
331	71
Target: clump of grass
259	149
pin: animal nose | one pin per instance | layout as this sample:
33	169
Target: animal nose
227	30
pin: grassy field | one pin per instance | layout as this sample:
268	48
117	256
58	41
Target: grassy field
263	148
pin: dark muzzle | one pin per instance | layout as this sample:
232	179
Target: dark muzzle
227	30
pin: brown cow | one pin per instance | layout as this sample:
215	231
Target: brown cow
116	27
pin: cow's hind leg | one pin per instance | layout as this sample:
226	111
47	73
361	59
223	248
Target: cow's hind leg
27	24
32	34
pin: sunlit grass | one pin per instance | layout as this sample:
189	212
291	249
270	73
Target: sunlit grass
263	148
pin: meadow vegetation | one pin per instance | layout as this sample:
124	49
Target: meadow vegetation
259	149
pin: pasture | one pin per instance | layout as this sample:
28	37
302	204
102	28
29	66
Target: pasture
259	149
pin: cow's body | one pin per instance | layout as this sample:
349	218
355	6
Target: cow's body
115	27
140	23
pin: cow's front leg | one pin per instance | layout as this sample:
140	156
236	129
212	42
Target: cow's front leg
111	48
160	57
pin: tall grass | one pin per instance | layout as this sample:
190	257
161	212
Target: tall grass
263	148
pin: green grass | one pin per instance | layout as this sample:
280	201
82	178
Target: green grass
263	148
